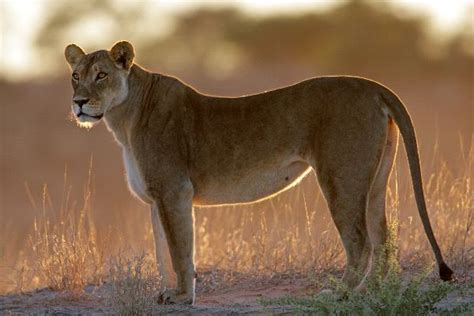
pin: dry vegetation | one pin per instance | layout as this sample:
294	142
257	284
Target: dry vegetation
288	235
390	292
135	285
65	251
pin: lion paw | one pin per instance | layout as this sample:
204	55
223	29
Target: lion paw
362	288
337	294
173	296
326	292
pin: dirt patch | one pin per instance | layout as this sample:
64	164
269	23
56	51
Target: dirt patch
241	296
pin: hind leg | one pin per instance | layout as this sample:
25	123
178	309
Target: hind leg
375	216
346	164
348	216
347	198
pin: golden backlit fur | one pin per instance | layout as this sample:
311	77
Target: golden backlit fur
183	148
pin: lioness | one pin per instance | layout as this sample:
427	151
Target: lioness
183	148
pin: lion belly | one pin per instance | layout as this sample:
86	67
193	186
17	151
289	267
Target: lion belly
249	186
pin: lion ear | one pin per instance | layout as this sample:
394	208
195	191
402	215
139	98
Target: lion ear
122	54
73	55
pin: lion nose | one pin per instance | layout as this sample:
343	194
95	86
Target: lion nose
81	102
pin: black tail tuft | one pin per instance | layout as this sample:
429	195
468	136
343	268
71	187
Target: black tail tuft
445	273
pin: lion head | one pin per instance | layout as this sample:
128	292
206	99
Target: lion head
99	80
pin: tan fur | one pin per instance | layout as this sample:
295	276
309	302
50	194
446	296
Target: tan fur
183	148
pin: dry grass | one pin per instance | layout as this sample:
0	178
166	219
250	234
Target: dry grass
388	293
290	234
450	202
135	283
65	251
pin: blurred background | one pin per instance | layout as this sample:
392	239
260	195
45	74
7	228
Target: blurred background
423	50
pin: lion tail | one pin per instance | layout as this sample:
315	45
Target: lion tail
399	113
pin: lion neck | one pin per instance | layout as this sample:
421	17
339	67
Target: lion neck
120	119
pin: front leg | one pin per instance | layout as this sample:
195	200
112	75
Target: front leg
163	259
176	214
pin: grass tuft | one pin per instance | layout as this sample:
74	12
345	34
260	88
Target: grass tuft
66	255
135	285
394	296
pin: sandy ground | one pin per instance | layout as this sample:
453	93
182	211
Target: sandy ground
241	297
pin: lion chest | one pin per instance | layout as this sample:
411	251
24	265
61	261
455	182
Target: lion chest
135	180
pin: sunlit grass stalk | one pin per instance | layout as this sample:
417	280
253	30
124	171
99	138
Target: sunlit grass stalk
66	254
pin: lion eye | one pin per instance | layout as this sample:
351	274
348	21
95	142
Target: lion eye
75	76
101	75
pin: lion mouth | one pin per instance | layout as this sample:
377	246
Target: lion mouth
97	117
